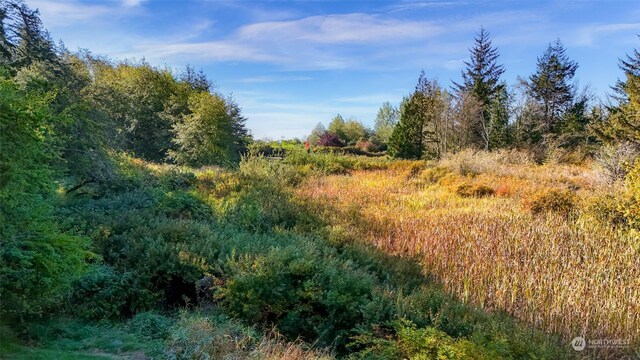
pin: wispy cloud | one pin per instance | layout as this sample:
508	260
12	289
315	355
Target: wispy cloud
68	12
272	79
71	12
317	42
416	5
340	28
589	34
132	3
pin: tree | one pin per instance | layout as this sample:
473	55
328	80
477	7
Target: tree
316	134
495	124
354	130
481	80
197	80
623	123
37	260
386	119
336	126
206	136
551	85
330	139
419	131
22	37
482	75
470	119
239	130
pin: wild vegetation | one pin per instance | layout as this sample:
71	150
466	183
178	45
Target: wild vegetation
139	219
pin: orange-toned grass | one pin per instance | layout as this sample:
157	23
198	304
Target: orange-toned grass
568	275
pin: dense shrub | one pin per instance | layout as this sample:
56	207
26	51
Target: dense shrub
474	190
433	174
103	293
210	335
330	139
554	200
304	291
150	325
411	342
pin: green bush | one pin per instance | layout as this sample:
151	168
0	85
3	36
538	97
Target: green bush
150	325
306	292
103	293
209	336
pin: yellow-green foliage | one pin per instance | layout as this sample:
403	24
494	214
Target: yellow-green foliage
433	174
475	190
556	200
631	208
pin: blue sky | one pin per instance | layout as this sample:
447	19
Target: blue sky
292	64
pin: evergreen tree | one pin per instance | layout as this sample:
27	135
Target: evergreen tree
623	123
481	79
551	85
482	75
418	133
23	40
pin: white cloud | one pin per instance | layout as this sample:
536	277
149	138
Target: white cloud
132	3
67	12
315	42
588	35
71	12
272	79
340	28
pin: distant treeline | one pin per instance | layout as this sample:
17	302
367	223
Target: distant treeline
545	113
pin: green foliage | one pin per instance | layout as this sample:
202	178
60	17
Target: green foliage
305	291
349	131
630	208
482	74
551	84
411	342
206	136
316	134
386	119
416	135
623	123
61	338
37	260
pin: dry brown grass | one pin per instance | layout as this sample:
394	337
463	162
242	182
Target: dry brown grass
562	273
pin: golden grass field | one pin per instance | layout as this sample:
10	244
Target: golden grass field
561	271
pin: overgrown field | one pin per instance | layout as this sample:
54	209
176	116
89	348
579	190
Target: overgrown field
322	256
548	244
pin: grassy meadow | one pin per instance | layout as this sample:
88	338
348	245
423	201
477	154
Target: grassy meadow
322	256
